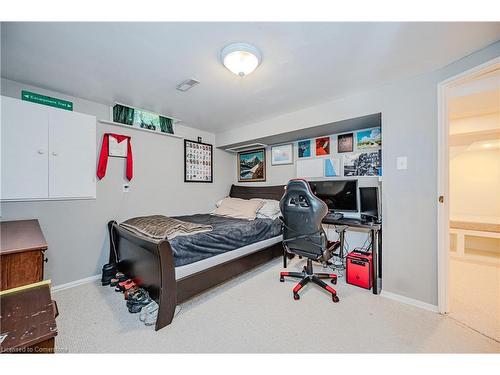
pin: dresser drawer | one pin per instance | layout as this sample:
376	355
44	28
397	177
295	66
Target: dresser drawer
21	268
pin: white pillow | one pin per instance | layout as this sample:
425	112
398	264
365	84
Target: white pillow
238	208
269	210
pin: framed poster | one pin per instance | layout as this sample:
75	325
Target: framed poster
367	139
332	167
282	154
304	148
363	164
345	143
322	146
252	165
198	162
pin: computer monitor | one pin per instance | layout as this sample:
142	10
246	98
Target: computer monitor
368	201
339	195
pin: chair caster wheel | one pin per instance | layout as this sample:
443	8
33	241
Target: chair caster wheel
282	279
296	297
335	298
334	281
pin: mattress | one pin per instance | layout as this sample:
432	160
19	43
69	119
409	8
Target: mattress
227	235
192	268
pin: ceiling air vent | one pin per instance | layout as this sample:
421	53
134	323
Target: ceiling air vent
187	84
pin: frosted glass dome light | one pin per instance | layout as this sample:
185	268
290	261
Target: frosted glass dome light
240	58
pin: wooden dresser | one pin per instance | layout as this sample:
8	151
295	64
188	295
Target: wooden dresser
22	252
28	320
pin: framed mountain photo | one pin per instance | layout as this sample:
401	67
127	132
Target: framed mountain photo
252	165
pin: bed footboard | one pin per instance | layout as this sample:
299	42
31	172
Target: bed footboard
150	265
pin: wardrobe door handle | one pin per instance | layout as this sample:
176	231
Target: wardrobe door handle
41	152
54	153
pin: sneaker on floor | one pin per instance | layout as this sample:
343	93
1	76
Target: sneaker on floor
150	319
148	309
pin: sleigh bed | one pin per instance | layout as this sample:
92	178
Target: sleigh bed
169	280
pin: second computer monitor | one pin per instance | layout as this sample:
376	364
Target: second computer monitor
368	200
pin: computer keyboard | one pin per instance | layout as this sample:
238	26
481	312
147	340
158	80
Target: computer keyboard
334	216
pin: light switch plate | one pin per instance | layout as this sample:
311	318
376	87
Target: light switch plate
402	162
126	188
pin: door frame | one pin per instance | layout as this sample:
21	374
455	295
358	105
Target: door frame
443	214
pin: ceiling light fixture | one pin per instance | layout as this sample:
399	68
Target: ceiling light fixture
240	58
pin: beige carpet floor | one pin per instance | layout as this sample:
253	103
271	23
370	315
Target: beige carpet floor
475	295
255	313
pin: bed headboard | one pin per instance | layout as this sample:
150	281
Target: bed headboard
264	192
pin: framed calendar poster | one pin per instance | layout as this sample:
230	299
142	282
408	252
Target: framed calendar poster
198	162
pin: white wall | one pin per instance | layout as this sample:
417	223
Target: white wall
409	197
76	229
476	123
475	173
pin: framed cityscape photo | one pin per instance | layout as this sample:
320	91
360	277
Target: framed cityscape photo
198	162
363	164
282	154
345	143
252	165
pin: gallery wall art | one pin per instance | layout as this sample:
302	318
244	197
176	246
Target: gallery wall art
322	146
282	154
368	139
357	153
198	162
304	148
332	167
252	165
363	164
345	143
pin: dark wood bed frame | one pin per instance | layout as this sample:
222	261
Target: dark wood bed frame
151	264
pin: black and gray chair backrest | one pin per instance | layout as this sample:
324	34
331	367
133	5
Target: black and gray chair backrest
302	214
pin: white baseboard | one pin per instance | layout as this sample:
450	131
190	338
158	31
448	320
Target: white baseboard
409	301
72	284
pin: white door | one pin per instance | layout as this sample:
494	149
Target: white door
72	152
24	150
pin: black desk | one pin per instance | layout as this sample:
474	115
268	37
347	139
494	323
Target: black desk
376	239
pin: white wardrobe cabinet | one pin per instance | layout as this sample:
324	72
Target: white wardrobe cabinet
47	153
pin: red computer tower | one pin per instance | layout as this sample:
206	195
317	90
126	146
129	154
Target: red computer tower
359	269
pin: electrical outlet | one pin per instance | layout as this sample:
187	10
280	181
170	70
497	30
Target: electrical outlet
402	162
126	188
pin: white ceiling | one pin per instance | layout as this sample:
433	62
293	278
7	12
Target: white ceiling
303	63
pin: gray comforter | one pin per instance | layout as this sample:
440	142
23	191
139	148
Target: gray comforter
227	234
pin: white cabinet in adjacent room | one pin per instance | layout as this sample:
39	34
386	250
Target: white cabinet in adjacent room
47	153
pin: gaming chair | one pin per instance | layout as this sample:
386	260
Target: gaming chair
302	213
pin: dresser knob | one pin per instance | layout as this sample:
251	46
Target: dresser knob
46	260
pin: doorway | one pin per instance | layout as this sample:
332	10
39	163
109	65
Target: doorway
469	201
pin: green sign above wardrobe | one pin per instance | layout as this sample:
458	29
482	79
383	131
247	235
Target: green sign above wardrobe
46	100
